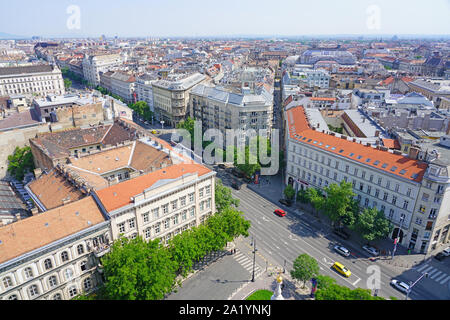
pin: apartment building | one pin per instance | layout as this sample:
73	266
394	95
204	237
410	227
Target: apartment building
221	109
144	90
171	97
160	204
54	256
390	181
38	80
93	65
120	83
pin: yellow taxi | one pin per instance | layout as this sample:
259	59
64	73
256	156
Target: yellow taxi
154	131
341	269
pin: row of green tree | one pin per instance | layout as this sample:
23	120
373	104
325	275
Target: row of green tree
337	202
70	75
306	267
142	109
135	269
251	162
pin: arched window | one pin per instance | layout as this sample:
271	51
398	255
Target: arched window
68	273
72	292
57	296
33	291
52	281
7	282
80	249
28	273
48	264
83	265
64	256
87	284
13	297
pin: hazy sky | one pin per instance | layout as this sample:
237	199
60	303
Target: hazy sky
228	17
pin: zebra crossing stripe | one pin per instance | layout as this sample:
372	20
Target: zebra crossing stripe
442	276
422	267
435	275
433	271
445	280
427	269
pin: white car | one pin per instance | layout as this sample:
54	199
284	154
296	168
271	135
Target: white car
341	250
400	285
446	251
374	252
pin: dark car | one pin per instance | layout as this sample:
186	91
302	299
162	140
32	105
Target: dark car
237	173
286	202
236	185
222	166
341	233
440	256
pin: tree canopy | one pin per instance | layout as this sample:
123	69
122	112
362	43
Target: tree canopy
20	162
372	224
305	268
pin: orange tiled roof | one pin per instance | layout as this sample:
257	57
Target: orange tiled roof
391	143
399	165
31	233
322	99
120	194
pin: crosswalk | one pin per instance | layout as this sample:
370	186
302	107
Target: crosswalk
434	273
246	262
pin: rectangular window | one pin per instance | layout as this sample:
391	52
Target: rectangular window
191	197
174	204
165	208
155	213
183	201
131	223
121	227
146	217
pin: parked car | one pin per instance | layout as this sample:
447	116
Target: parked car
280	212
154	131
400	285
342	250
440	256
341	233
222	166
446	252
339	267
286	202
236	185
373	251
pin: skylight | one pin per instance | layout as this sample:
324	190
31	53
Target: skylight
358	157
376	162
393	168
351	154
327	146
368	160
342	150
334	148
403	171
384	165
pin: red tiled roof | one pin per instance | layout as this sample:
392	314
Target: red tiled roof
120	194
391	143
399	165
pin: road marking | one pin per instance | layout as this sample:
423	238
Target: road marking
445	280
354	283
436	274
427	269
431	272
442	276
292	237
422	267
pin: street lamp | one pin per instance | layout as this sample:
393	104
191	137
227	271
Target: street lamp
396	238
411	284
162	124
254	258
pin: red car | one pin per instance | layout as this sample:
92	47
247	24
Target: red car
280	212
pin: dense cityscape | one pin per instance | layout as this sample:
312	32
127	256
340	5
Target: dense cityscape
284	168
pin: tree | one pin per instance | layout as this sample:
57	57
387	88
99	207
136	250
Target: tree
289	192
338	203
305	268
67	83
324	282
302	196
189	125
333	291
372	224
138	270
316	198
20	162
223	197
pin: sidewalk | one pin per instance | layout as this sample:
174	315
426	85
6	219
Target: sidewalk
267	281
273	191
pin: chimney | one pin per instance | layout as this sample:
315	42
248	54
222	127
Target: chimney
34	211
377	133
18	217
413	153
37	173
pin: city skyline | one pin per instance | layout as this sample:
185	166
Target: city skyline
201	18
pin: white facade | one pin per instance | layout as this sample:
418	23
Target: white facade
32	80
93	65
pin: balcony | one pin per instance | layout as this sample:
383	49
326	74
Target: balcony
101	250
